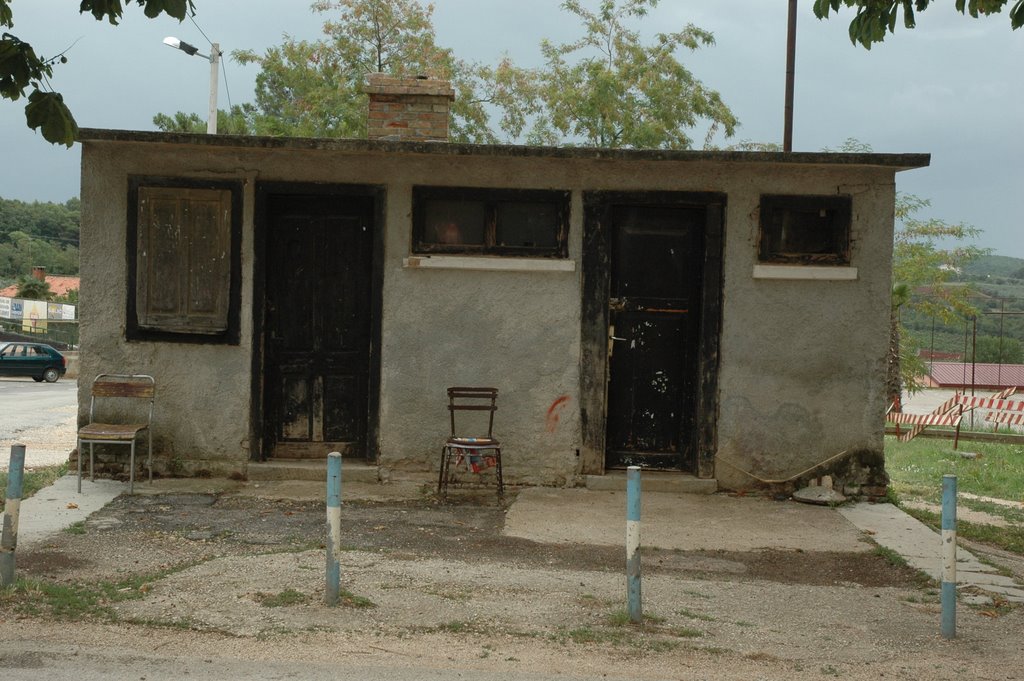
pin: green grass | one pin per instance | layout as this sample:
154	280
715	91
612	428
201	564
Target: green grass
620	618
916	468
694	615
70	602
1007	538
350	600
76	528
79	601
892	557
34	480
282	599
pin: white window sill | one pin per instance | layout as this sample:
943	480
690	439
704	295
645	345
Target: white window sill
816	273
494	264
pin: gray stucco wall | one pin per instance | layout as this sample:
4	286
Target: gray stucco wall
801	370
201	412
803	361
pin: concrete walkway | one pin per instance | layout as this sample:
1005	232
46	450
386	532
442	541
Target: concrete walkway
562	516
922	548
59	506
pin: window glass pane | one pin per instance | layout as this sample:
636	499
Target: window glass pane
454	222
805	229
527	225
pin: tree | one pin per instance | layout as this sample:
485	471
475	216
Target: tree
995	350
876	17
31	288
237	121
21	68
923	273
606	89
314	88
36	233
609	89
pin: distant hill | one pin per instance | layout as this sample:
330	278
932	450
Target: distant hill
996	266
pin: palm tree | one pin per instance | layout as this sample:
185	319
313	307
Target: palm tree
31	288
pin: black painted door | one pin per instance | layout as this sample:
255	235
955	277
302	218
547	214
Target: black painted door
317	325
657	254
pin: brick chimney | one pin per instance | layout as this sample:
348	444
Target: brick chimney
412	109
39	273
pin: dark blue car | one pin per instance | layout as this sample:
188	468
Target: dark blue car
37	360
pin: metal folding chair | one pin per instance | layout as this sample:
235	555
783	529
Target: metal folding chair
477	452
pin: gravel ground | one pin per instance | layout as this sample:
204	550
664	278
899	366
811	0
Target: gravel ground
445	588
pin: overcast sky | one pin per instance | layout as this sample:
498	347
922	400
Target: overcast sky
952	87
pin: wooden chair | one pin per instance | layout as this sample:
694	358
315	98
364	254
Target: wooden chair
477	452
120	388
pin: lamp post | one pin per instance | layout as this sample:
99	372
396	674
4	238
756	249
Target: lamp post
214	59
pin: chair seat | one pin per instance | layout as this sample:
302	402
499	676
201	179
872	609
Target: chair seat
111	431
473	442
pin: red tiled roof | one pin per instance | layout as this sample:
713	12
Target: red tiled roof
959	374
60	284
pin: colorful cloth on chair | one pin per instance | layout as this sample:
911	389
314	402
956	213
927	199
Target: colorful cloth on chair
474	461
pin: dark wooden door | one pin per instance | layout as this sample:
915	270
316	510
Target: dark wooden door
317	325
657	254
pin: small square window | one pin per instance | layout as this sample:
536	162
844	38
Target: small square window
490	221
808	230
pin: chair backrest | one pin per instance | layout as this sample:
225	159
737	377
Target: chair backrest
461	398
123	386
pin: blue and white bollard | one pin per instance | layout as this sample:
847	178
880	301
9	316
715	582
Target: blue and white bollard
948	593
333	589
633	544
12	509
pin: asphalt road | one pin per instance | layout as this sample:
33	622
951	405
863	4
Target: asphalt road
30	660
39	415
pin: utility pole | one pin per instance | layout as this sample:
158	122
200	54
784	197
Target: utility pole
787	135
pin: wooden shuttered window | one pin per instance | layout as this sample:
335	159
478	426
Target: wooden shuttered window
184	256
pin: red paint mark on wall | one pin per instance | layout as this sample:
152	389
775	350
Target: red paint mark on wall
555	412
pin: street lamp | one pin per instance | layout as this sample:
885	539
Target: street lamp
214	59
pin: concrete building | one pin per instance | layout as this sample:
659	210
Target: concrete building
723	315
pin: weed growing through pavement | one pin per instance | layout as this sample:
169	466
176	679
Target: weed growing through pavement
451	594
696	594
694	615
620	618
350	600
890	556
76	528
282	599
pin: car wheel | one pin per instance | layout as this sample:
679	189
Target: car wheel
51	375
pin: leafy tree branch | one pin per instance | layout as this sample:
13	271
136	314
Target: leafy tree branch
24	73
876	18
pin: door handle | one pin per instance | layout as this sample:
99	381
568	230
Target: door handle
611	338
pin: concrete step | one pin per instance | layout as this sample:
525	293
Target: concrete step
654	481
298	469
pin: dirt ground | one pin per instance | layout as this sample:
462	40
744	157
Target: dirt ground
440	586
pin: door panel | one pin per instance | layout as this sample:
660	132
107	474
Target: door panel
653	312
317	325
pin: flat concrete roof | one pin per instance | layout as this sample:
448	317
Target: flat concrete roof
896	161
